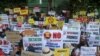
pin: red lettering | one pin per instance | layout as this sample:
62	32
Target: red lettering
57	35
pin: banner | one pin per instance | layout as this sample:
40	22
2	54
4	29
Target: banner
17	10
88	51
52	39
62	52
50	20
24	12
36	42
71	33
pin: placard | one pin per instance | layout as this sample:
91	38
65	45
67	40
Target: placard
27	53
88	51
28	32
31	21
5	45
13	37
50	20
17	10
62	52
4	19
52	39
71	33
93	28
94	40
20	19
36	42
24	12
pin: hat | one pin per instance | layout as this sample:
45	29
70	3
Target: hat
68	45
47	52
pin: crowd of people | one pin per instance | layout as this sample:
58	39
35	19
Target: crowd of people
32	18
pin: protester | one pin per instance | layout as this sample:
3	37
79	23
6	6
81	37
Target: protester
83	42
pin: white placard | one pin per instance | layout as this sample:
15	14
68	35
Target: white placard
52	39
88	51
71	33
36	42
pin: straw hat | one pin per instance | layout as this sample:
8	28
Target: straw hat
47	52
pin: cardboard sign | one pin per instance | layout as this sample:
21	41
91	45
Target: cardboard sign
62	52
13	37
24	12
27	53
71	33
36	42
52	39
50	20
17	10
20	19
88	51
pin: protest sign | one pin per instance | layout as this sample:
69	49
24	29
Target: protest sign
17	10
88	51
52	39
24	12
4	19
94	40
82	12
5	45
27	53
93	28
60	24
50	20
36	42
28	32
31	21
13	37
62	52
71	33
26	26
20	19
